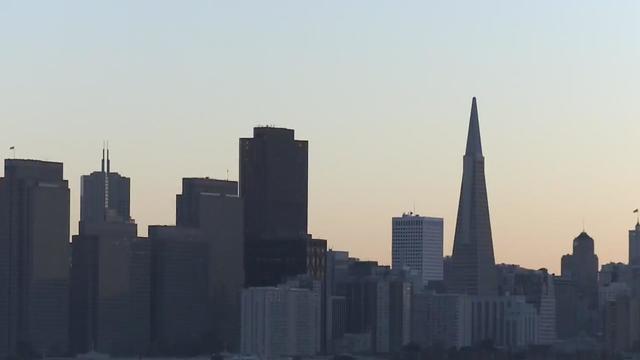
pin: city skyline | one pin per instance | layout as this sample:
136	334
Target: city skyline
384	256
383	107
221	279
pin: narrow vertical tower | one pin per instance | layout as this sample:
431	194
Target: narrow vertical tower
634	245
472	269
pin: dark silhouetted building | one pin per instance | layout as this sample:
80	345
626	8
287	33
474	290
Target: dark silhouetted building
140	293
622	325
581	268
538	289
110	276
634	245
103	192
110	290
272	262
566	315
34	259
194	190
274	187
620	308
273	184
214	207
179	290
370	308
472	265
337	269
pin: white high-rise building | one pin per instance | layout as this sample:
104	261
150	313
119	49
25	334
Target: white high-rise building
281	321
417	246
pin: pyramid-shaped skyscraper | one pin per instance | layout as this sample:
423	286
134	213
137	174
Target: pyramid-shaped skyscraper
472	265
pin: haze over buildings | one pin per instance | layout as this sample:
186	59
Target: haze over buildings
356	83
239	272
266	151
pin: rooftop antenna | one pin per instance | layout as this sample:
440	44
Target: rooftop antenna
13	148
637	216
103	144
227	174
106	180
108	160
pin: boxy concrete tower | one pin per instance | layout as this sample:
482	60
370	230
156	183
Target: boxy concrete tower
34	259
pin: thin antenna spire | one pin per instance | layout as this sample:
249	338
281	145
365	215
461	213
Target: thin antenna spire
108	160
102	156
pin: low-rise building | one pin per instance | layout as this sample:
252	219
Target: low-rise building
281	321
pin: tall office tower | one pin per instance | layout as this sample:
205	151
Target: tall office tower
34	259
140	293
104	193
179	290
269	263
472	267
634	245
273	185
337	264
581	267
621	325
214	207
417	245
566	300
108	273
108	290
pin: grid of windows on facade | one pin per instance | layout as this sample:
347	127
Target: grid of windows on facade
509	321
408	242
417	245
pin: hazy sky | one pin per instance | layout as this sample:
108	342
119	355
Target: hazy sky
381	89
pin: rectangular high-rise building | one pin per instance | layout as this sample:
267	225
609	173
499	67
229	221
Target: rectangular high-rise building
270	263
274	187
273	184
110	288
34	259
214	207
188	204
109	272
417	246
179	290
104	194
634	245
